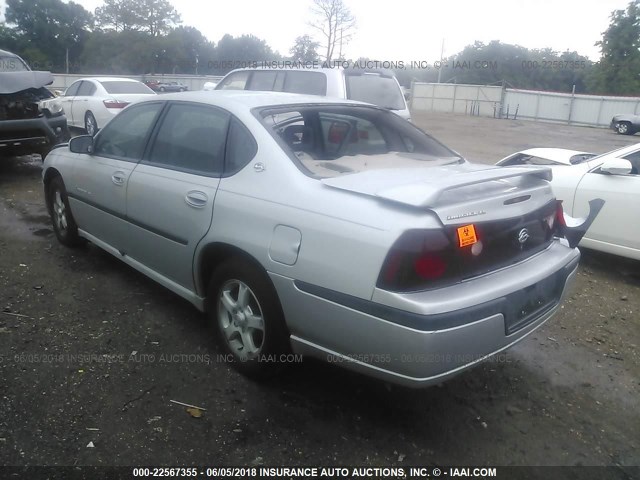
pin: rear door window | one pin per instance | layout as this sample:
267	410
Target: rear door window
310	83
86	89
73	89
191	139
263	81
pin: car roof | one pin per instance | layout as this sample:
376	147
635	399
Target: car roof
252	99
109	79
560	155
328	71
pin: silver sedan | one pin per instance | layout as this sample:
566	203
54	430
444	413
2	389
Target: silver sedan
328	228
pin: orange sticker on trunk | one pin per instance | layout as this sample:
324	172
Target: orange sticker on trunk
467	235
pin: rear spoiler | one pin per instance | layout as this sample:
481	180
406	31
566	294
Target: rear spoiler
426	194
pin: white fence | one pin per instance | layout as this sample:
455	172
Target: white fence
456	98
568	108
501	102
194	82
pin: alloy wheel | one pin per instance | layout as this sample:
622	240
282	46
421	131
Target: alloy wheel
241	319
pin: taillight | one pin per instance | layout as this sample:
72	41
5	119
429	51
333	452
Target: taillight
115	104
417	260
430	266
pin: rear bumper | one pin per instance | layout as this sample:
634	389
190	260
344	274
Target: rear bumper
419	349
33	132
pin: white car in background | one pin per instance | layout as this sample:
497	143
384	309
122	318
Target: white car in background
615	177
547	156
89	103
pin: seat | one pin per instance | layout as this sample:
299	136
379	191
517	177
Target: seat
299	138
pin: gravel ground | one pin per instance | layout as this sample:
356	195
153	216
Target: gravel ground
92	354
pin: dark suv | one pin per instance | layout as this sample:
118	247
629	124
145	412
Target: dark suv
31	118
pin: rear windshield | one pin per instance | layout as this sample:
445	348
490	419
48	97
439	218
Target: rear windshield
125	87
332	140
12	64
377	89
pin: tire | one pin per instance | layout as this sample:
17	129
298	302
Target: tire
90	124
624	128
62	219
247	318
162	89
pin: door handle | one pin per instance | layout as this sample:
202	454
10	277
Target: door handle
196	199
118	178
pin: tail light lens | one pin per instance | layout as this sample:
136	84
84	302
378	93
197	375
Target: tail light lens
417	260
115	104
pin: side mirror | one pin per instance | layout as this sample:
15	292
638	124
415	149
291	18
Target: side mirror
616	166
81	144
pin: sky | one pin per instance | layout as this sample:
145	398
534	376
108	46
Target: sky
409	30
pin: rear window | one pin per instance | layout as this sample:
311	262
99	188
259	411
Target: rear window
377	89
332	140
125	87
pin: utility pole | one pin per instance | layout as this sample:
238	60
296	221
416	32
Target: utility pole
441	55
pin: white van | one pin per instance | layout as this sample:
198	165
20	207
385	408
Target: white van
372	86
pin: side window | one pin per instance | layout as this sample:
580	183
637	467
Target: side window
634	158
262	81
241	148
192	139
73	89
126	135
311	83
235	81
86	89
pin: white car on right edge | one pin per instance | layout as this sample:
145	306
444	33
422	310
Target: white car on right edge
615	177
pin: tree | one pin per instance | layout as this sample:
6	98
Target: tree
335	23
160	16
304	50
156	17
119	15
49	29
233	52
619	67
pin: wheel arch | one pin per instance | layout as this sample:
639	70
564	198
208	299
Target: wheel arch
214	254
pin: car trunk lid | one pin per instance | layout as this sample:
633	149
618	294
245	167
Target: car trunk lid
491	217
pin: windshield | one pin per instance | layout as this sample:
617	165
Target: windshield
12	64
332	140
377	89
126	87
